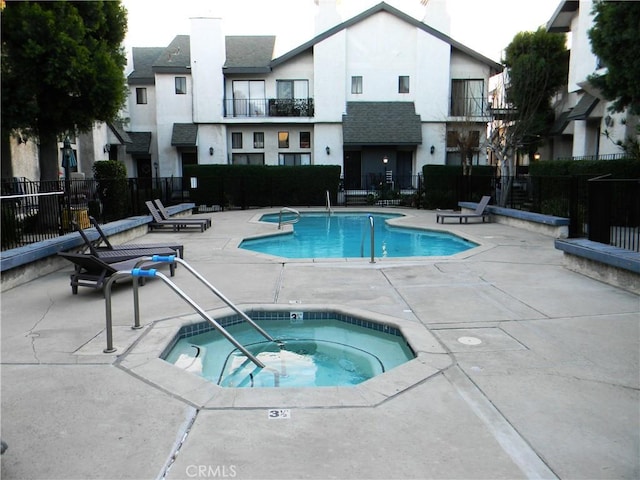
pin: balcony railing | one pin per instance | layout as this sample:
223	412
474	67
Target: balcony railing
469	107
269	107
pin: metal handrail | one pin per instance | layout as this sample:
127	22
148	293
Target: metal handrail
221	296
328	202
372	235
137	272
292	221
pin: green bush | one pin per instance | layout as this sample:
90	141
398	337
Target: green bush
247	186
444	185
622	168
112	184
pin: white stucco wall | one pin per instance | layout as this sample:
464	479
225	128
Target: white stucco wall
171	108
433	66
207	59
583	61
330	73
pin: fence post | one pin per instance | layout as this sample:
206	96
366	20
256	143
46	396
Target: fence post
574	214
599	218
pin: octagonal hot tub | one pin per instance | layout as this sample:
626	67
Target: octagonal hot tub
371	357
312	349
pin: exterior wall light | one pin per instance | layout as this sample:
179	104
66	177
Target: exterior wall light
211	151
328	150
385	160
536	156
432	149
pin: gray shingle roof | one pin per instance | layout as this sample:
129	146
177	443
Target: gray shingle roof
184	135
143	58
246	54
560	124
118	131
176	58
140	143
381	123
584	107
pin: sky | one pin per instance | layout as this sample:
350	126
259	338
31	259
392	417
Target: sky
486	26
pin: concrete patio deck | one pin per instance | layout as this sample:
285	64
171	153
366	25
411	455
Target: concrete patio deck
552	390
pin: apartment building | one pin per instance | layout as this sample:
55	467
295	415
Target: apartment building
379	92
584	127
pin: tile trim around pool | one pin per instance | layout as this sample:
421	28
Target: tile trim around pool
144	360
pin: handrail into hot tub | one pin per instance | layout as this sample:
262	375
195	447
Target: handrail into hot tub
292	221
137	272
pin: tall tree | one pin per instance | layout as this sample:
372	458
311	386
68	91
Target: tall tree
615	39
62	70
537	66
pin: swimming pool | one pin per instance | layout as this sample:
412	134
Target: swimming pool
314	349
347	235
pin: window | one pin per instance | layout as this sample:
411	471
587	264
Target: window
470	138
403	84
356	85
248	98
141	96
305	139
467	98
292	89
247	159
283	139
294	159
236	139
258	139
181	85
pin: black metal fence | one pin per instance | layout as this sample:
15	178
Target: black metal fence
614	212
36	211
602	209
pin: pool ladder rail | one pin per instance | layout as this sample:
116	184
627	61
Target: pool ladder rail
138	272
291	221
328	202
373	242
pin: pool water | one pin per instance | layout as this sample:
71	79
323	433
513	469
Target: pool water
315	353
347	235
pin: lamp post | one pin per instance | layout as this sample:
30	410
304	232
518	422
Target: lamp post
385	161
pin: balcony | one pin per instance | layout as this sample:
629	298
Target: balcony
469	108
269	107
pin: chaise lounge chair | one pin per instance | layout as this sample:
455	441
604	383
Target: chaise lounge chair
92	272
121	254
165	215
145	246
479	212
175	223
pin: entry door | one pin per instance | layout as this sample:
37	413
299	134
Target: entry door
143	166
352	171
403	169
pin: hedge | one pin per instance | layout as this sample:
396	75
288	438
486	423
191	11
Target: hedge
445	186
247	186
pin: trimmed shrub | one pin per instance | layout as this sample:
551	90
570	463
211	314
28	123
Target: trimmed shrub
247	186
112	185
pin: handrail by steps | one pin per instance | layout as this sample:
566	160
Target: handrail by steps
328	202
292	221
372	234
